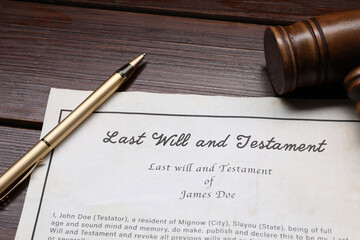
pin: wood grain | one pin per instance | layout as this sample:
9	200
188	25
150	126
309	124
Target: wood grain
252	11
44	46
14	142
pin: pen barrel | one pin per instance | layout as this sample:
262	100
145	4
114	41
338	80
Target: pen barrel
76	117
14	174
25	165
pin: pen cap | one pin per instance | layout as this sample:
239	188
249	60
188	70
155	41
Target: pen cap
316	51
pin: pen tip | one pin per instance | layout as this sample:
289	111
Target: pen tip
137	60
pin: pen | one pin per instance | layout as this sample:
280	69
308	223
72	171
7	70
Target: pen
27	163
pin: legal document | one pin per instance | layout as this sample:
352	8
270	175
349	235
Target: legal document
187	167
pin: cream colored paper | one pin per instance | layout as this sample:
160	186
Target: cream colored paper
232	168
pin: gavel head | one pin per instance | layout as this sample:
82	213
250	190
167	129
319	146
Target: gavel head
352	86
317	51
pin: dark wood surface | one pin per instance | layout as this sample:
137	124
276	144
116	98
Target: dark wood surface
56	46
196	47
252	11
14	142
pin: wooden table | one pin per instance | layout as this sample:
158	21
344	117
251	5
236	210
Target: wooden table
212	47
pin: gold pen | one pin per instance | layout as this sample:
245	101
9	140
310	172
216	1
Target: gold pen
26	164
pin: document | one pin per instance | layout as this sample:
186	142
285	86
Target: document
186	167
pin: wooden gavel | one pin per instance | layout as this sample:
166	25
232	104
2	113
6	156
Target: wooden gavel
352	86
316	51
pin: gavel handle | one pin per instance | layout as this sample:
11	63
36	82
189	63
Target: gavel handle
352	86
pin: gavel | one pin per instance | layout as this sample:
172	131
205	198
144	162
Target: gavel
317	51
352	86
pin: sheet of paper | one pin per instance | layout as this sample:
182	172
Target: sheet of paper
183	167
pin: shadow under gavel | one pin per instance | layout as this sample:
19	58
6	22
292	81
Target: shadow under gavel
317	51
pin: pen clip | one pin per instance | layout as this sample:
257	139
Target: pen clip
27	174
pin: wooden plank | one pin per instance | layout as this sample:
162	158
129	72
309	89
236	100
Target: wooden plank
14	142
252	11
44	46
